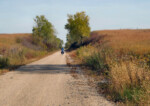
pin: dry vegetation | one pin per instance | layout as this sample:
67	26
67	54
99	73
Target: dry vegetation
18	49
8	40
129	40
123	58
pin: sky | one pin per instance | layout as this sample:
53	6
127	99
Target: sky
16	16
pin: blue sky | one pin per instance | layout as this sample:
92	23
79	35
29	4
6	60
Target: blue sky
16	16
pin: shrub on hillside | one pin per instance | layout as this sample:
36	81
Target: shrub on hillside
17	55
85	51
97	62
28	42
4	62
18	40
94	57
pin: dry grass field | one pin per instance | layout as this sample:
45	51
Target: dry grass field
18	49
122	57
9	40
137	41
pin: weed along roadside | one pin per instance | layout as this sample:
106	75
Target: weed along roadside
6	65
121	75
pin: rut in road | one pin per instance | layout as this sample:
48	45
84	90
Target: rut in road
47	82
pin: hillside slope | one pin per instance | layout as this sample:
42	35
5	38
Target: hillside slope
119	60
8	40
130	40
18	49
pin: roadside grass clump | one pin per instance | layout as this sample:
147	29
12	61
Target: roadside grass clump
4	62
129	82
85	51
18	40
144	59
97	62
22	55
19	55
95	57
33	54
16	55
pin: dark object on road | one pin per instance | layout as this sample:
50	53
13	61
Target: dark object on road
62	52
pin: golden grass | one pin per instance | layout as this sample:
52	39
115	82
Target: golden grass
125	74
137	41
128	79
85	51
131	82
9	40
11	47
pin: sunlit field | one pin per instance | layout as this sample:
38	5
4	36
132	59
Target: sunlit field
18	49
137	41
9	40
123	58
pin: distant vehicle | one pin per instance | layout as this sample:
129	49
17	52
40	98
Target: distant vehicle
62	50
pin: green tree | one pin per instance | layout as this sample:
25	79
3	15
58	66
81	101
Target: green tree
78	27
44	34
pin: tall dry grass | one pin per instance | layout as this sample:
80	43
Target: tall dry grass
19	49
8	40
85	51
137	41
129	82
125	56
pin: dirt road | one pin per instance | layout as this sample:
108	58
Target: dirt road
47	82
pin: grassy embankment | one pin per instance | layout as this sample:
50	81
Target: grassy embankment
17	50
122	57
